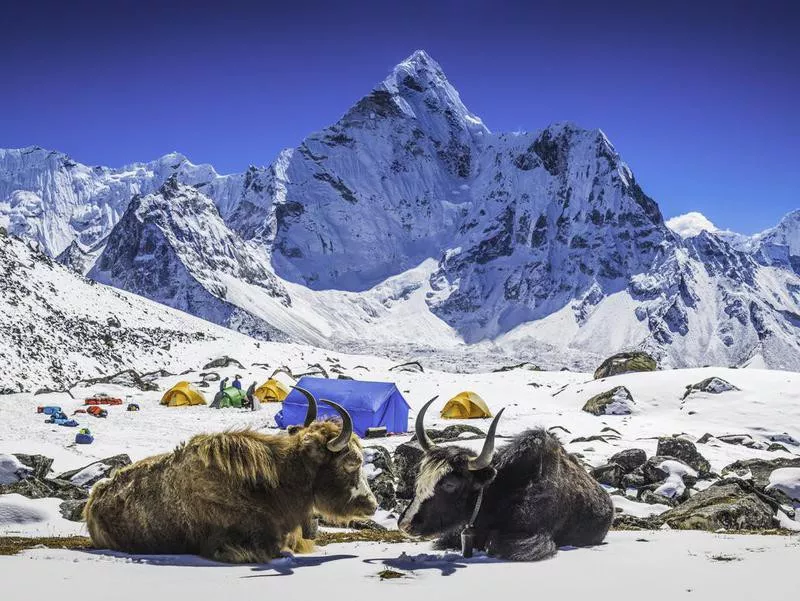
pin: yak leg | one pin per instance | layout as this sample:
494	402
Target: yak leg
522	548
450	540
240	547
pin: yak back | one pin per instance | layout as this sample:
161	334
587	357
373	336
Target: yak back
540	487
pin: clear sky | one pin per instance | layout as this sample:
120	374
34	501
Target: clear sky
701	98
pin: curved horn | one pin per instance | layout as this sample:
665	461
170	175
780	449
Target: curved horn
343	439
311	414
485	458
422	436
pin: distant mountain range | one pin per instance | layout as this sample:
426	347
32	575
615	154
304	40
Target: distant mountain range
409	227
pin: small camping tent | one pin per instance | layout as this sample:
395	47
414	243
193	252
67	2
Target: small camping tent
370	404
228	397
272	391
465	405
183	393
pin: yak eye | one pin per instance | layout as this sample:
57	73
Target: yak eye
449	486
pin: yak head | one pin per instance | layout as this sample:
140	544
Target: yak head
448	483
339	485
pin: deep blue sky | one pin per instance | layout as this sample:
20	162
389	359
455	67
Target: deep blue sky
701	98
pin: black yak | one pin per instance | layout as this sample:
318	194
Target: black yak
236	497
521	503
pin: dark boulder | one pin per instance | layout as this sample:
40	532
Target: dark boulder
88	475
617	401
624	521
127	377
221	362
72	510
728	506
411	366
686	451
759	470
609	474
711	385
38	464
406	461
623	363
629	459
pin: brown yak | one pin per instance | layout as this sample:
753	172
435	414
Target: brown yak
238	497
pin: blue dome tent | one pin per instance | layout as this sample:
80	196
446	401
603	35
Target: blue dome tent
370	404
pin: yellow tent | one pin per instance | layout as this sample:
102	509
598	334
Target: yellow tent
272	391
465	405
183	393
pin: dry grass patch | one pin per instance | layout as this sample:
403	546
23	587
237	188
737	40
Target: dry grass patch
11	545
361	536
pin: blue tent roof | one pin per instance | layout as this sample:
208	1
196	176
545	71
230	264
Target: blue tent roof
370	404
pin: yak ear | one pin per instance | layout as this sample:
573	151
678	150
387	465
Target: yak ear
290	430
482	477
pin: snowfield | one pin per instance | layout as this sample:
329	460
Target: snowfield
631	565
665	564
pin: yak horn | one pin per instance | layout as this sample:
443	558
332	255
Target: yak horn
343	439
422	436
311	414
485	458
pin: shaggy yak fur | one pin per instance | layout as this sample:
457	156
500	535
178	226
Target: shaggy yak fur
537	498
236	497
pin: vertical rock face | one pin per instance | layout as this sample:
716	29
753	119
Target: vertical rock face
173	247
48	197
780	246
563	219
380	190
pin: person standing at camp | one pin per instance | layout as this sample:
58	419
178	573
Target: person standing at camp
237	382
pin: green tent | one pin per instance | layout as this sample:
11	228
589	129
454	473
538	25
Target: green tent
228	397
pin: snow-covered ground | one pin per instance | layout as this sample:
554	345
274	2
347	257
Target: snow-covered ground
657	565
631	565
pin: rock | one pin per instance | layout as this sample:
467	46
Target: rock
629	459
411	366
154	375
89	475
652	498
729	506
776	446
223	361
382	483
617	401
786	482
456	430
609	474
759	470
623	521
401	506
623	363
37	488
384	489
127	377
406	460
72	510
711	385
593	438
315	369
524	365
652	472
380	457
210	376
39	464
47	390
684	450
